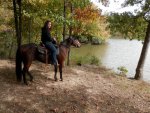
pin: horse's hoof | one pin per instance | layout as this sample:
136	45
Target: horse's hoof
31	80
61	79
26	83
56	79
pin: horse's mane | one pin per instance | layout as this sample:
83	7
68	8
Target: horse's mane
64	42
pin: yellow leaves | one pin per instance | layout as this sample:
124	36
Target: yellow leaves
5	18
5	13
92	22
87	14
38	1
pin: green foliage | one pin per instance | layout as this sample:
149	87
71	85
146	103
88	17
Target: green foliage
131	25
143	7
127	25
7	39
80	60
91	22
123	70
94	60
49	10
36	12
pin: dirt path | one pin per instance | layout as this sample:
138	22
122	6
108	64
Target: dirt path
85	89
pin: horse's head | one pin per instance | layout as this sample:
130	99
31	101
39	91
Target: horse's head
74	42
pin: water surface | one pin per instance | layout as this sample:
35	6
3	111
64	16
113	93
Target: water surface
116	53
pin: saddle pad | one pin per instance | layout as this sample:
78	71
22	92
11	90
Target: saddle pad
42	50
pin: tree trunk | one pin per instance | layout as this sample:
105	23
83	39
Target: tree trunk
64	23
139	69
20	23
70	27
18	20
70	33
29	30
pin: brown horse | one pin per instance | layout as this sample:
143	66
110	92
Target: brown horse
29	52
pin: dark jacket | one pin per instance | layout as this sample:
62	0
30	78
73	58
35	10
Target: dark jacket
46	36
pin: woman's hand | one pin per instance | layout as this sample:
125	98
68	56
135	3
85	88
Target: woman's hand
54	39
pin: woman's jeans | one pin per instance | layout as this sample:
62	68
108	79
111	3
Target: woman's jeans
50	46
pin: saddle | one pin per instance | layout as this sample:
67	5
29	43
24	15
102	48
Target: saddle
43	52
42	49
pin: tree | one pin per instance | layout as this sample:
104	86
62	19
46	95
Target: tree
145	6
28	19
64	23
127	25
91	22
70	32
144	13
139	69
18	20
134	25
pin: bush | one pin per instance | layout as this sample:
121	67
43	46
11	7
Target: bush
86	60
94	60
123	70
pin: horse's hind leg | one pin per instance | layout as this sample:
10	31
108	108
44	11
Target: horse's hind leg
24	75
26	70
28	66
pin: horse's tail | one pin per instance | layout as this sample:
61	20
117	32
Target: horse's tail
18	65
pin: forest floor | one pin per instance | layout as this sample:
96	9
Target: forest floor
85	89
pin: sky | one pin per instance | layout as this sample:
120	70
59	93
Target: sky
114	6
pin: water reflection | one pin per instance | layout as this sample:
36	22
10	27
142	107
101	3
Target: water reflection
100	51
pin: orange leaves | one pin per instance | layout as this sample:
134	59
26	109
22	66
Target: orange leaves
87	14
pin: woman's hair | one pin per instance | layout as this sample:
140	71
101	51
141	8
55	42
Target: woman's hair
46	25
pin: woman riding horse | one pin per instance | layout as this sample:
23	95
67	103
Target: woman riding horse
49	42
29	52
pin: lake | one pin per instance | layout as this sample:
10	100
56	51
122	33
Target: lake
116	53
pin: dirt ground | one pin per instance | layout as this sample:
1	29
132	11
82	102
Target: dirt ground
85	89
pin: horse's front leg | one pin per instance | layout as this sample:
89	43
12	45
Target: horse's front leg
31	77
60	70
55	69
24	76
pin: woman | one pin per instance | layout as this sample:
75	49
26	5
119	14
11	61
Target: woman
49	42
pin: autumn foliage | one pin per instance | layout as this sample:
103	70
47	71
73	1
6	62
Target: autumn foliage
90	21
87	14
